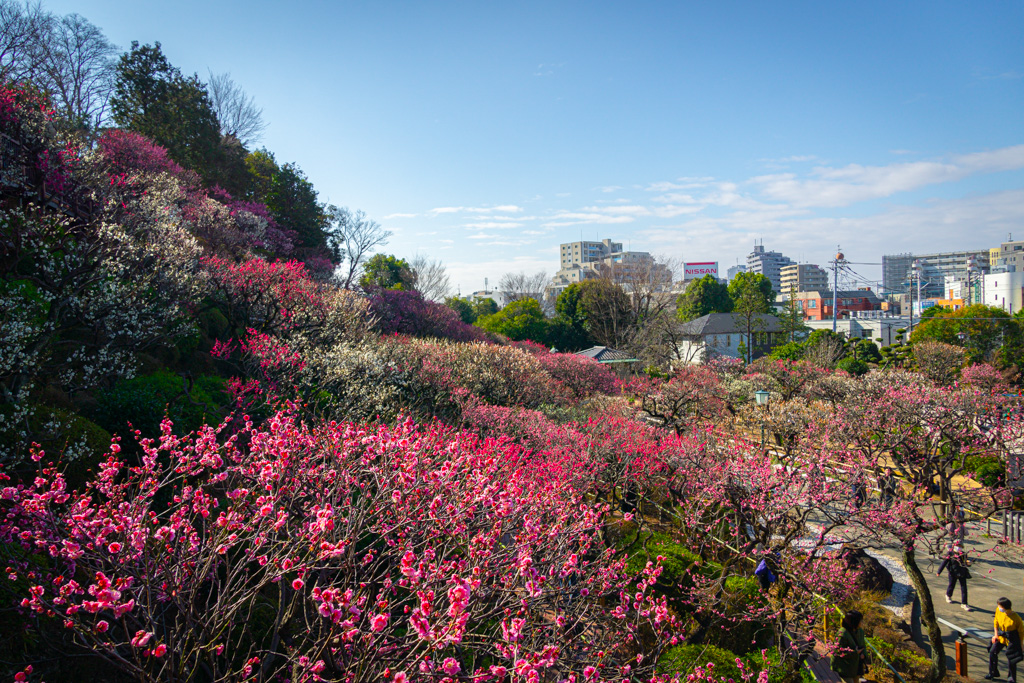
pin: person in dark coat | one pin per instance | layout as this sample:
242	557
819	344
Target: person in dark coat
956	563
850	660
859	491
887	487
1008	628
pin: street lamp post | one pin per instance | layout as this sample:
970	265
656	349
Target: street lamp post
761	398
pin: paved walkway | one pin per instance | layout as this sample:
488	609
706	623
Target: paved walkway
994	575
996	572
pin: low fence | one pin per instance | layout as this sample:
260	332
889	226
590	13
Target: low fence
1013	526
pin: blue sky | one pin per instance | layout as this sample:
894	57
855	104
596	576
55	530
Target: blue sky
484	134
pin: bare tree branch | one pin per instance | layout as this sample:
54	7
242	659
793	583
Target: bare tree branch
431	278
78	69
237	112
23	32
352	237
522	286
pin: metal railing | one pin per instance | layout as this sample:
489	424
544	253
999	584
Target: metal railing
961	644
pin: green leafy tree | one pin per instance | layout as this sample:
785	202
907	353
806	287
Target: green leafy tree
755	288
294	203
568	329
867	351
703	296
752	298
463	308
386	272
292	200
980	330
262	169
151	97
482	307
520	320
788	351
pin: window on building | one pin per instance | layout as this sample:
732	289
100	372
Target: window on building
728	340
812	304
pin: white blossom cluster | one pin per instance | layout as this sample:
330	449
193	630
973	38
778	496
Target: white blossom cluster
78	301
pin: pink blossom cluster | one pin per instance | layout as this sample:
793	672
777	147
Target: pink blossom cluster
392	549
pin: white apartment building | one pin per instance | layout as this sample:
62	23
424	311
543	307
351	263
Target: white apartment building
575	254
732	272
579	261
1004	290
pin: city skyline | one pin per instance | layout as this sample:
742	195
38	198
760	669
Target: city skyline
486	136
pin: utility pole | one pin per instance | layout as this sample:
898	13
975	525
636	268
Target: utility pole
972	266
835	286
914	274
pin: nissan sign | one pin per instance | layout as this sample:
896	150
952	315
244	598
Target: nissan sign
693	271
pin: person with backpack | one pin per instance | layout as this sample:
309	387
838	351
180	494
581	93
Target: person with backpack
850	660
1008	629
956	562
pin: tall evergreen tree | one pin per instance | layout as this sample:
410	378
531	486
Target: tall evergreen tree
152	98
703	296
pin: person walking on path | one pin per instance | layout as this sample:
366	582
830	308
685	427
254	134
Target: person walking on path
956	562
1008	628
956	528
850	660
859	492
887	488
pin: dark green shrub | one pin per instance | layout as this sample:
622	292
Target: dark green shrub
777	672
854	366
683	659
989	470
677	559
142	402
991	474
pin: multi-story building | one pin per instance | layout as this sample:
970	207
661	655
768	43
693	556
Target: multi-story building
874	325
1008	257
802	277
817	304
769	264
575	254
581	261
732	272
1004	290
934	269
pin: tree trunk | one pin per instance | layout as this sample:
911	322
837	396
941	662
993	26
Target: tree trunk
938	670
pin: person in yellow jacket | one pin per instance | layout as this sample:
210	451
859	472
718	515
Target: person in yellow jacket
1009	628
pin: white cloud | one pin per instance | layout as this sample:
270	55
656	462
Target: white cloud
566	218
634	210
399	215
680	184
492	225
503	208
834	187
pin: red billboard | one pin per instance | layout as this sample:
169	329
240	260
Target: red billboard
692	271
